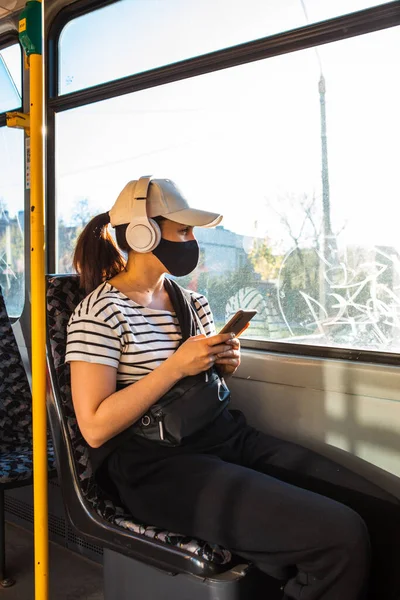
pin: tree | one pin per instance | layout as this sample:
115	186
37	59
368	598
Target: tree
68	234
81	213
218	287
264	261
11	260
305	276
67	238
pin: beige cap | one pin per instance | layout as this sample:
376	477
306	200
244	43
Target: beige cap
163	199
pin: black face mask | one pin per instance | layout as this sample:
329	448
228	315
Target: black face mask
179	258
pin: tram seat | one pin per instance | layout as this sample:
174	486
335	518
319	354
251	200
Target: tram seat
94	515
16	461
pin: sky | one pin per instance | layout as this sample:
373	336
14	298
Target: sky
244	141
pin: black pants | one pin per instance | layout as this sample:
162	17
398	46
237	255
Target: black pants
272	502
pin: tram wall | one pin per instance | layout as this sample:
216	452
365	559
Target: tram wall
19	510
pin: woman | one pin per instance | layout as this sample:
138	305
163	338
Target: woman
259	496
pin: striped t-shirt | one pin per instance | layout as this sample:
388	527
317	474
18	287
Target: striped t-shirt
110	329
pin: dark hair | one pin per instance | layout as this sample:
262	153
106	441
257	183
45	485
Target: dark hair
97	257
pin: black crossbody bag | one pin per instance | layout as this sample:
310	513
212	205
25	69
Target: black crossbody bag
193	402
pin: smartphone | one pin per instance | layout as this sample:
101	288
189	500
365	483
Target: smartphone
239	322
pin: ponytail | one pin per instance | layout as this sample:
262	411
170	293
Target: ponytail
96	256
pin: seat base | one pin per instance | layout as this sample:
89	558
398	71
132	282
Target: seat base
128	579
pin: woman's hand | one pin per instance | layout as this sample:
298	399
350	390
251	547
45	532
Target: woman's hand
200	353
229	360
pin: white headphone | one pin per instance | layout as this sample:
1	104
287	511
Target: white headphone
142	234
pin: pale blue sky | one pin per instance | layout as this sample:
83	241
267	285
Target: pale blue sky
240	139
143	34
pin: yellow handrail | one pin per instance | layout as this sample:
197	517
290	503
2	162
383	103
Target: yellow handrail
38	328
30	31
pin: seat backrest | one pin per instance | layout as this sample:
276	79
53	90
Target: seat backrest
15	393
63	295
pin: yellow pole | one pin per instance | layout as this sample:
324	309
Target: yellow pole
38	328
30	27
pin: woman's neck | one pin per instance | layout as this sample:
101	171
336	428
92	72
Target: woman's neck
144	284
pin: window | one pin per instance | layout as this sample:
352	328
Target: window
12	219
143	34
10	78
11	186
317	255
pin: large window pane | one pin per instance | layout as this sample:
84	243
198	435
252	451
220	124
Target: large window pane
12	219
10	78
145	34
310	239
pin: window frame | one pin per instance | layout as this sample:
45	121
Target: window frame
339	28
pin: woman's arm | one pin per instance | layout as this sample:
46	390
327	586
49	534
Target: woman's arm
103	412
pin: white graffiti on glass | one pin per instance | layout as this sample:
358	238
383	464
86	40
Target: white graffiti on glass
376	317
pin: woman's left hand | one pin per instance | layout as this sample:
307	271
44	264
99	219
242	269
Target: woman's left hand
229	360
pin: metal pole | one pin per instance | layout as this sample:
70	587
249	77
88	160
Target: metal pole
326	209
30	32
2	537
328	240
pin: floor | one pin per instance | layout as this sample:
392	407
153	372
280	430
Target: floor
71	576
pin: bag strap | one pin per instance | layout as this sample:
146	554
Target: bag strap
190	300
182	308
186	313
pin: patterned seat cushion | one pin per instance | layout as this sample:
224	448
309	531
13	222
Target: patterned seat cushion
63	295
16	462
15	393
15	410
